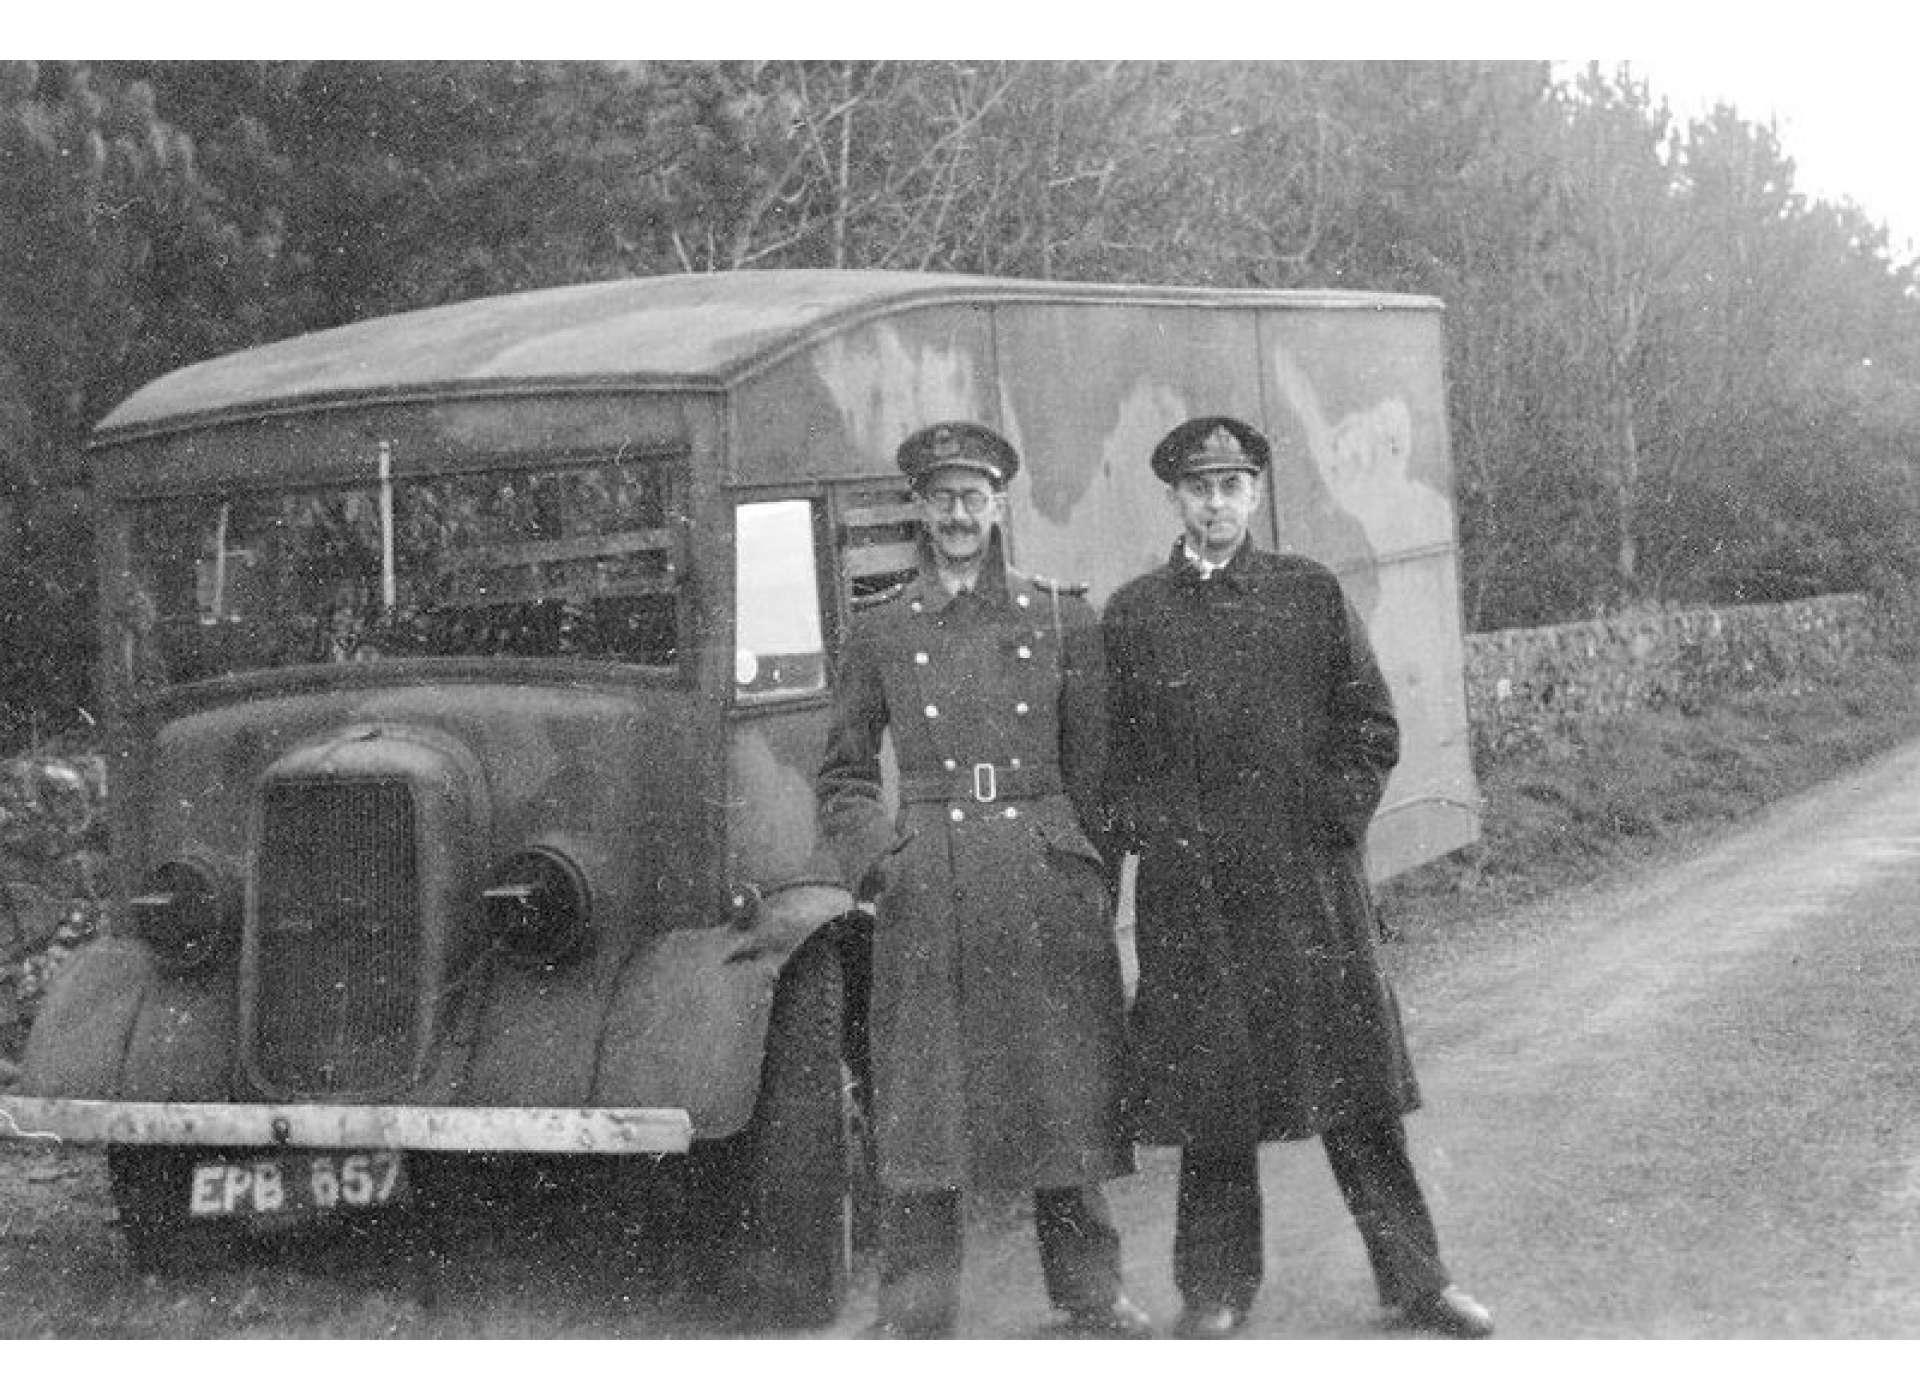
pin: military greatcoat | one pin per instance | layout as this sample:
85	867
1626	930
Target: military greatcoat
1252	736
997	1015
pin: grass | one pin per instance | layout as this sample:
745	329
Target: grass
1599	796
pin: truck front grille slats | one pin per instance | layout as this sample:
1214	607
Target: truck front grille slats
339	941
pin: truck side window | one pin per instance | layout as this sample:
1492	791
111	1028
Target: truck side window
879	538
778	647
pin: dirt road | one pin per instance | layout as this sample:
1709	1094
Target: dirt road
1680	1105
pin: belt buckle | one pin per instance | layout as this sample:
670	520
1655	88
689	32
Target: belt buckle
986	782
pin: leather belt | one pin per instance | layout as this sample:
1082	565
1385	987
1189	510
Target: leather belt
982	782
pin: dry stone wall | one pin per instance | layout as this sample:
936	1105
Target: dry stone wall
1523	684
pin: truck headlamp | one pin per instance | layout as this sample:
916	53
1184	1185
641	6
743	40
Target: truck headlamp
538	908
188	912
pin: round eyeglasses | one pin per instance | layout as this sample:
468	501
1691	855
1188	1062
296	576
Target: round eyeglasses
972	500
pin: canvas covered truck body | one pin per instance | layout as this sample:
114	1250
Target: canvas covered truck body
466	673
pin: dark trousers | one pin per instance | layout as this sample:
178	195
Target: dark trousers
920	1236
1217	1237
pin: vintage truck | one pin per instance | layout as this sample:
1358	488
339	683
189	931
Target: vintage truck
466	671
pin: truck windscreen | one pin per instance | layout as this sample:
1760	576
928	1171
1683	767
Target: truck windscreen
573	561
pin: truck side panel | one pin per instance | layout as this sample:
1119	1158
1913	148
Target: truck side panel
1353	398
1360	402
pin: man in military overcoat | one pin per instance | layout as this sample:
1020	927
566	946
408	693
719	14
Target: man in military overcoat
997	1014
1251	737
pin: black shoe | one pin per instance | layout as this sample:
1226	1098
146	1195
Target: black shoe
1209	1322
1448	1313
1121	1320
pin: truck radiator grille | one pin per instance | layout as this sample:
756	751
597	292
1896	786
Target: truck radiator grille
339	939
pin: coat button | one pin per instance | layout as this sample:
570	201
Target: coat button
919	658
949	764
957	815
1021	708
933	712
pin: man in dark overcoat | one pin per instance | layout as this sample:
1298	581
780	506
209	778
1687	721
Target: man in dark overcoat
1251	736
997	1015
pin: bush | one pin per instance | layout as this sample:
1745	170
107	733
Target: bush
52	877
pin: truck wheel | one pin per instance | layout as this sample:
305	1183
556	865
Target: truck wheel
149	1186
781	1188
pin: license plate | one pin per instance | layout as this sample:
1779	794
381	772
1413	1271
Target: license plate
297	1183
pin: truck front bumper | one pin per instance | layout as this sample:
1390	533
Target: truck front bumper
399	1126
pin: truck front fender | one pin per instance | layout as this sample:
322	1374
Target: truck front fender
687	1023
115	1025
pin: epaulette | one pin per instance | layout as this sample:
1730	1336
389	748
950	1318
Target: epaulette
885	595
1058	586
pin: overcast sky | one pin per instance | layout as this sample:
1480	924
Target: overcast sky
1846	122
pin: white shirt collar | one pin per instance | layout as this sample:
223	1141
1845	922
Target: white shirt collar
1201	564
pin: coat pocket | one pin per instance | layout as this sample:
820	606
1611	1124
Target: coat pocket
1067	849
1064	835
874	883
1074	914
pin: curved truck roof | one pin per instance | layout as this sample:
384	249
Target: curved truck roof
692	330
